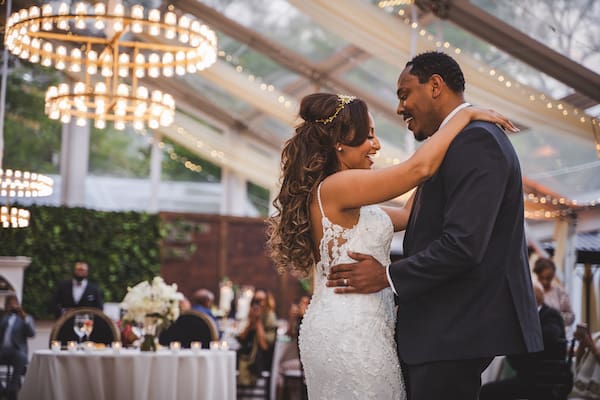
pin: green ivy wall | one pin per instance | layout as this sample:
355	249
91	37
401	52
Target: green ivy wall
121	248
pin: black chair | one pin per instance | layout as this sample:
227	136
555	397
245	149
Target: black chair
262	388
105	331
294	382
189	327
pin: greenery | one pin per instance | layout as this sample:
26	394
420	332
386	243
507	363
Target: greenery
31	140
121	248
259	197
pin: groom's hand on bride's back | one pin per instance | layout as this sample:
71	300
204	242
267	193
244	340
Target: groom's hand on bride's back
366	275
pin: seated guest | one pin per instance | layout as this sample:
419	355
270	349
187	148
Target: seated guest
528	366
290	359
77	292
554	294
257	340
203	300
15	328
295	316
586	384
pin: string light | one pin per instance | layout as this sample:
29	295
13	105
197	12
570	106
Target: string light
563	111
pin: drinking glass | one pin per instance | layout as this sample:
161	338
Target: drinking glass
83	326
78	326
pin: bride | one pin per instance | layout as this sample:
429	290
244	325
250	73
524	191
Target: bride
326	206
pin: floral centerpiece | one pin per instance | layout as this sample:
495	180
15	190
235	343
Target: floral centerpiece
153	305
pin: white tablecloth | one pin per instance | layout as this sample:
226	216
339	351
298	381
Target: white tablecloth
104	375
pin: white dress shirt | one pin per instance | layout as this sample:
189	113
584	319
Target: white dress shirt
78	289
6	341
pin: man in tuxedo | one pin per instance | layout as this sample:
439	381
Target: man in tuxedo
77	292
15	328
531	369
464	288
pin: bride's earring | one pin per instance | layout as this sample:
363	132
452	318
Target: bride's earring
339	148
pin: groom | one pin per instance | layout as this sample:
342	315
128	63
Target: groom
464	287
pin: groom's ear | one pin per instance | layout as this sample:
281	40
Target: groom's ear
436	83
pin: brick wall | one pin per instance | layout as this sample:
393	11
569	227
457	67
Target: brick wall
200	249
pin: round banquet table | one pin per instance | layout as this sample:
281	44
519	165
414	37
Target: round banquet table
130	374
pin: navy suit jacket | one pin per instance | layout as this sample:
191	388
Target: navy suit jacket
63	298
464	289
21	330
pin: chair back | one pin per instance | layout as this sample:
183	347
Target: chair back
191	326
105	331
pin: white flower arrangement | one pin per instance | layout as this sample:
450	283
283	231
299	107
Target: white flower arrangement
152	299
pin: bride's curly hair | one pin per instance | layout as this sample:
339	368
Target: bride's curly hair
307	158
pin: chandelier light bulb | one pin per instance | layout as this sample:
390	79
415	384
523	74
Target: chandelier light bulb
123	65
107	64
100	124
99	9
47	10
92	66
142	92
76	60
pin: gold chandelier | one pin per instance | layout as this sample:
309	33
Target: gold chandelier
15	183
13	217
103	47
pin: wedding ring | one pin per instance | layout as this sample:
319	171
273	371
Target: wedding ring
345	282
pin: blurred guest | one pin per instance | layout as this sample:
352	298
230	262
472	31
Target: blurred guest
554	294
587	367
77	291
295	316
257	340
15	328
527	366
290	359
203	300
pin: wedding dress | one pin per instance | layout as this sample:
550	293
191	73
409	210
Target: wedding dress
347	344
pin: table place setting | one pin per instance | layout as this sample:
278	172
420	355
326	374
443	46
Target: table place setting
117	372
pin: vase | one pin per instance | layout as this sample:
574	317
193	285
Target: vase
149	336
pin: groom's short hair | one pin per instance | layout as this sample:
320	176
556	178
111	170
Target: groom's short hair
436	62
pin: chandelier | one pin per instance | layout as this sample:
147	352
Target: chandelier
104	51
13	217
20	184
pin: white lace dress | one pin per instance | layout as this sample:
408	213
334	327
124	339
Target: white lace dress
347	344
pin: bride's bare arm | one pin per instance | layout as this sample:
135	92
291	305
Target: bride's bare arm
400	215
357	187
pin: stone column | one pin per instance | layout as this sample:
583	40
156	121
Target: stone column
234	194
74	158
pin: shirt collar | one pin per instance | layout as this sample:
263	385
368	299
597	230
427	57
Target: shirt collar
82	283
453	113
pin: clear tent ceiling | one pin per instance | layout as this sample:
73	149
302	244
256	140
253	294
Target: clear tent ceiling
564	163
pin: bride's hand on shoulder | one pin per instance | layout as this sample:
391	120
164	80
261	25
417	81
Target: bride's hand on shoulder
489	115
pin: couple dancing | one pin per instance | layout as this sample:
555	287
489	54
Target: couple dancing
424	327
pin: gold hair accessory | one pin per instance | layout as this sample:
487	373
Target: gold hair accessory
344	99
